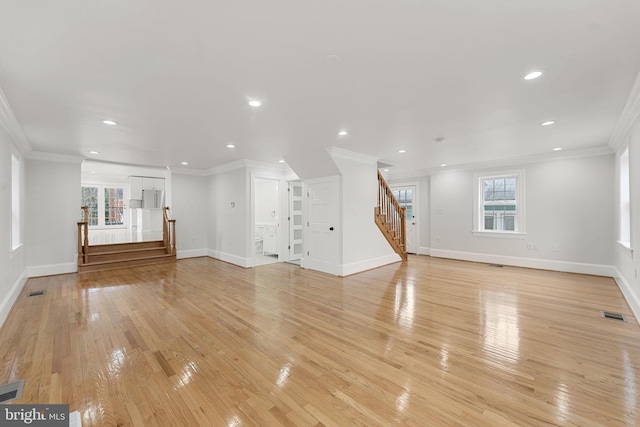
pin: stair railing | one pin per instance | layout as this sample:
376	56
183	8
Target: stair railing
169	232
83	237
393	215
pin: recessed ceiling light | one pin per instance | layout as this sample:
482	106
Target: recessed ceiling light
231	146
533	75
443	165
385	170
342	133
402	151
184	163
109	122
255	103
557	149
94	152
281	161
547	123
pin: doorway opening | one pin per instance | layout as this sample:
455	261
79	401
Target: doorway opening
267	221
406	196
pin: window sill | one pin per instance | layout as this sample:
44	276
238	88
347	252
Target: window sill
625	247
500	234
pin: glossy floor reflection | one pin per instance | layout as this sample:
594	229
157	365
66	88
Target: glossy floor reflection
431	342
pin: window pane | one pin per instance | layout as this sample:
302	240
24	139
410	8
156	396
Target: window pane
509	223
488	222
113	206
90	199
409	211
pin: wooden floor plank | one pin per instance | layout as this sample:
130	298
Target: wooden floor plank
427	342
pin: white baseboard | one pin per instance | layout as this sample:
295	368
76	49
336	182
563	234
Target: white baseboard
191	253
422	250
629	294
230	258
368	264
541	264
12	296
52	269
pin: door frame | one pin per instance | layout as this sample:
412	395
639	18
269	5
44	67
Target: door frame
416	206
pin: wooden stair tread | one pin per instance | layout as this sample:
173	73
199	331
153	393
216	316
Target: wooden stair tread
140	250
116	261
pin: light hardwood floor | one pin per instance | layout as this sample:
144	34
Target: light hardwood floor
431	342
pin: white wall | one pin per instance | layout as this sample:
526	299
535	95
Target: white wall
569	204
229	216
13	270
189	209
627	262
363	245
267	201
52	210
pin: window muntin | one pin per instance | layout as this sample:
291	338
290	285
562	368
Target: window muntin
499	203
106	205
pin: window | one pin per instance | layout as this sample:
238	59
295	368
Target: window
499	203
16	211
405	200
625	208
106	205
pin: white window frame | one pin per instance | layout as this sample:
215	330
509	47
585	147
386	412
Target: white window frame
478	205
101	206
624	200
16	202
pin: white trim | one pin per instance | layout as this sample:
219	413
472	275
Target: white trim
423	250
628	117
7	303
191	253
11	124
478	204
509	162
625	248
341	153
499	234
230	258
540	264
368	264
279	168
52	269
627	291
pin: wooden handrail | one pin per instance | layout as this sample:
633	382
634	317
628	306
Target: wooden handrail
392	215
169	232
83	243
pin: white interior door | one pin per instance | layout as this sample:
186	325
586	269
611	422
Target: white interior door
322	241
295	220
406	196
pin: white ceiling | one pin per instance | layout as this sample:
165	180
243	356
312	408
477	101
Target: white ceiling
396	74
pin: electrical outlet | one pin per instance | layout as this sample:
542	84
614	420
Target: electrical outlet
532	246
437	239
556	247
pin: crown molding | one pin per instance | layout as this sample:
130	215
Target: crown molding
341	153
248	164
601	150
10	123
630	114
55	157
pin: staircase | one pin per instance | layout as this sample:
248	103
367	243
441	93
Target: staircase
123	255
390	218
